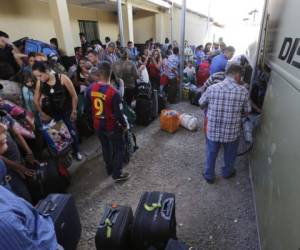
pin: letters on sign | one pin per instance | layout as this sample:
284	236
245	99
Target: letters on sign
289	48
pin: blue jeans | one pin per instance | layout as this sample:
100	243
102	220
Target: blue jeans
212	149
113	148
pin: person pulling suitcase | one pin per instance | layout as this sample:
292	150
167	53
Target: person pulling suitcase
104	106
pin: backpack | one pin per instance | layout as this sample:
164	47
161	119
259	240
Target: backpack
203	73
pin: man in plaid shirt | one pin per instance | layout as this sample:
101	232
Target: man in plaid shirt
226	103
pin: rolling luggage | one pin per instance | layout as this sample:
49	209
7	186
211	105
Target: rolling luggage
177	245
47	180
144	104
144	111
169	120
154	221
62	209
114	229
41	47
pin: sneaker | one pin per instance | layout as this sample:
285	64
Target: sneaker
231	175
78	156
122	177
209	181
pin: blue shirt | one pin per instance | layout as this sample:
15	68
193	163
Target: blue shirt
133	53
200	56
218	64
22	227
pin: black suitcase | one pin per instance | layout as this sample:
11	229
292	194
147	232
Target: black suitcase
144	111
177	245
62	209
114	229
154	222
47	180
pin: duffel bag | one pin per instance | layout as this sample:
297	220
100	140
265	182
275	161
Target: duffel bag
189	122
169	120
62	209
154	221
114	229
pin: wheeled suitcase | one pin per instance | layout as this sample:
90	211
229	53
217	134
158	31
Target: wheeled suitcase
47	180
144	111
154	221
177	245
114	229
62	209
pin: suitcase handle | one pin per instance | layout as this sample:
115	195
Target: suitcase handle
111	215
152	207
167	208
49	207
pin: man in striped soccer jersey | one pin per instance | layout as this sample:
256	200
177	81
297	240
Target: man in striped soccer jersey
104	105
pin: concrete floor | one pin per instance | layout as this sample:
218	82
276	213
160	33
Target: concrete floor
219	216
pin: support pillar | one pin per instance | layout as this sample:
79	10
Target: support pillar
61	20
128	21
159	28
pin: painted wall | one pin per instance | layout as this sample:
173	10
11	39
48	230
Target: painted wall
143	26
20	18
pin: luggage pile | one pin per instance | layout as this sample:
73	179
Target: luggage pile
153	226
170	120
149	103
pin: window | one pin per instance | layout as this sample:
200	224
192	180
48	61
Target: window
90	29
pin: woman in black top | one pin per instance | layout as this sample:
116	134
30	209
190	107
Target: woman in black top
61	99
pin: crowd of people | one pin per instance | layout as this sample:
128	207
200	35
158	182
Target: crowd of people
95	83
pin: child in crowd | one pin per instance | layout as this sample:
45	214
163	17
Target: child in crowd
190	72
28	92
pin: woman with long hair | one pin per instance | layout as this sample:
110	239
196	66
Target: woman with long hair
154	67
61	96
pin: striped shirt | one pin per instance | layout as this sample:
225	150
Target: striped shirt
21	226
173	63
213	79
226	103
